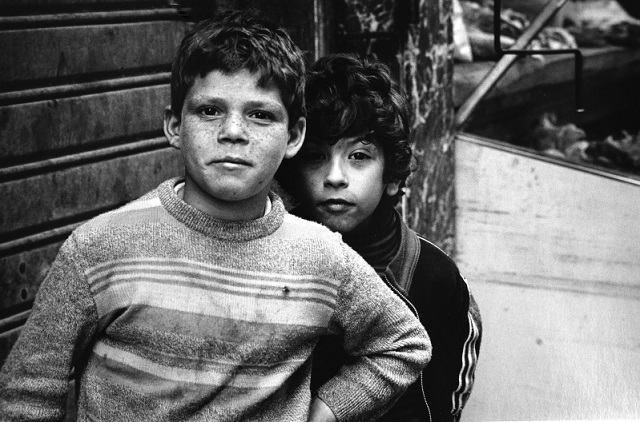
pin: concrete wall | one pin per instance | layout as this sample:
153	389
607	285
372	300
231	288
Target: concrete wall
552	256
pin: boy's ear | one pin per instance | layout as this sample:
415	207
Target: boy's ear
172	127
392	188
296	137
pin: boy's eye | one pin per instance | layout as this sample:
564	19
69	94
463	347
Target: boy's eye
209	111
359	156
261	115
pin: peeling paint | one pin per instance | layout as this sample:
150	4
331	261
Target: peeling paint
427	71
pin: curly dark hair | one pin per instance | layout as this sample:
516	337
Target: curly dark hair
235	40
348	96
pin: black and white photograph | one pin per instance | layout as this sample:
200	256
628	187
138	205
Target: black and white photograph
319	210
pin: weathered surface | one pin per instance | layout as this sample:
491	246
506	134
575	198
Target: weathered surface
51	126
427	73
22	273
58	196
35	4
554	259
67	52
363	17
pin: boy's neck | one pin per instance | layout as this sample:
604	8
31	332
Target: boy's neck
252	209
371	226
379	241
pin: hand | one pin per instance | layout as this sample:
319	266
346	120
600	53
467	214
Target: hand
320	412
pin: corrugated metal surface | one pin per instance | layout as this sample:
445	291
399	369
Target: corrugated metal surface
82	90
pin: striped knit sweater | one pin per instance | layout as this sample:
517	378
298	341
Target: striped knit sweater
167	314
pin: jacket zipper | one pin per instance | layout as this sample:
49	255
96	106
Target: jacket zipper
415	312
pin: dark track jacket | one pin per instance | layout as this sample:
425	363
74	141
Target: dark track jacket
431	282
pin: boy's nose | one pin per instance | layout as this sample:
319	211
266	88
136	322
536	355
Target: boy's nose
336	176
232	129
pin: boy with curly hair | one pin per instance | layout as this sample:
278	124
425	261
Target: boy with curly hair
204	299
349	176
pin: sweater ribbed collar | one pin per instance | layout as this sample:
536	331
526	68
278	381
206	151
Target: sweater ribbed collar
226	230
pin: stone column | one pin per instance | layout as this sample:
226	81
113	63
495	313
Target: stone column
427	72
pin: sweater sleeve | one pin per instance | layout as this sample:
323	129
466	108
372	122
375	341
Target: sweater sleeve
35	377
387	345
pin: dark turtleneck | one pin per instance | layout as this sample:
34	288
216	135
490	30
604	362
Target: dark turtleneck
379	241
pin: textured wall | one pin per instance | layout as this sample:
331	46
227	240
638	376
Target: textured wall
427	71
553	255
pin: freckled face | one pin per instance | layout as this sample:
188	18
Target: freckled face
342	184
233	136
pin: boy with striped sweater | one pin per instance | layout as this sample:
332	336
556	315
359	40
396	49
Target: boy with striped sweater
204	299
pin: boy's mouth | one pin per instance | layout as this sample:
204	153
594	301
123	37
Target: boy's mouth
335	205
231	161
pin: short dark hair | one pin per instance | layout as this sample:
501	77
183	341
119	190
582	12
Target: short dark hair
235	40
346	96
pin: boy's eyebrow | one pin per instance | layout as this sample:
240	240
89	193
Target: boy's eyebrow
365	139
200	99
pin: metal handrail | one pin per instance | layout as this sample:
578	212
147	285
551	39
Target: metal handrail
508	57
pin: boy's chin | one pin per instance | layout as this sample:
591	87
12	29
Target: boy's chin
341	225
